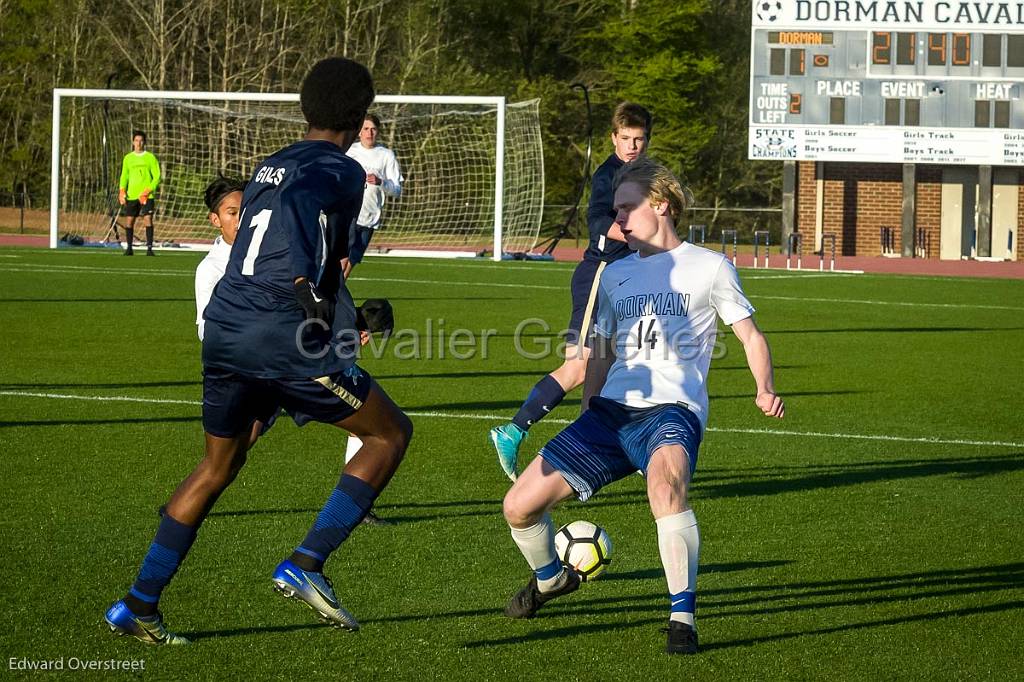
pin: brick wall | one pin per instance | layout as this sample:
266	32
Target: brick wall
1020	216
862	198
859	200
806	200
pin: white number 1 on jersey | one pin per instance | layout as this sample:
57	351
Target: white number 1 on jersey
260	221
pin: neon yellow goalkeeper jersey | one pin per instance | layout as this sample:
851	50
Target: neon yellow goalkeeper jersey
139	172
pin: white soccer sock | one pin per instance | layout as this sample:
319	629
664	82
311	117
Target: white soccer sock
679	543
537	543
352	448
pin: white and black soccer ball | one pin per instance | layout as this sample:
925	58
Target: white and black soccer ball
769	10
584	546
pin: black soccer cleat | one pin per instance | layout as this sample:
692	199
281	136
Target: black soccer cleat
682	638
527	600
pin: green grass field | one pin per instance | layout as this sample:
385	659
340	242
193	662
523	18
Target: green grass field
875	533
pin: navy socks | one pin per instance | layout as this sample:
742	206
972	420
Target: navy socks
345	509
544	397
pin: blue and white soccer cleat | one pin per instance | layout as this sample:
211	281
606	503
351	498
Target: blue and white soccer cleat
507	439
316	590
147	629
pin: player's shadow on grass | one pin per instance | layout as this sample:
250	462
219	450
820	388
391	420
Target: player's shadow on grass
574	403
139	384
458	375
782	479
871	593
95	300
388	511
235	632
452	298
97	422
659	573
899	330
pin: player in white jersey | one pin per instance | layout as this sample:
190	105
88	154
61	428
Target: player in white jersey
655	325
223	198
383	178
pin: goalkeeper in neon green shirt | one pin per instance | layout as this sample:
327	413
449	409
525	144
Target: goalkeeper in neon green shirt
140	175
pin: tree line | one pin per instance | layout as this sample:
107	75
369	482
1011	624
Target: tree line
686	60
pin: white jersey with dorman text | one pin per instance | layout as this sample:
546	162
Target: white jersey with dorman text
661	311
380	161
208	273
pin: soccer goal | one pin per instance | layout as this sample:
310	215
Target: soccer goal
473	166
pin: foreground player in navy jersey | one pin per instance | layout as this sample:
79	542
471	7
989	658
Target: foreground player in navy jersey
280	332
631	131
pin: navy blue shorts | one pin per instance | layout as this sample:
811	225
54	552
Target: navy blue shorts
134	207
585	279
232	402
358	241
610	441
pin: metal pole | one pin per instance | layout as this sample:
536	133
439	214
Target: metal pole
499	180
831	238
757	240
798	239
54	167
734	248
693	230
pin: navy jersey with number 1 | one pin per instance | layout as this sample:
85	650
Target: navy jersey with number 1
296	212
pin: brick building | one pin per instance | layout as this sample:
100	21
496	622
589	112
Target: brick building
924	211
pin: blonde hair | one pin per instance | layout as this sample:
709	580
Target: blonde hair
658	183
630	115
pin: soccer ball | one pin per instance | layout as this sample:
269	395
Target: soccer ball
585	547
769	10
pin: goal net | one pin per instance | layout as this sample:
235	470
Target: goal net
473	166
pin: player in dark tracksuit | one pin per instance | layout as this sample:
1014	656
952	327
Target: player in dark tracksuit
280	332
631	132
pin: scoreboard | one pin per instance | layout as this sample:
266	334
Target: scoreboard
911	81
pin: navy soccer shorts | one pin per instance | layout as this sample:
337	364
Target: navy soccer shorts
358	242
610	441
232	402
585	280
134	207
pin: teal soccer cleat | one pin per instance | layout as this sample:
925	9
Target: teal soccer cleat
316	590
148	629
507	439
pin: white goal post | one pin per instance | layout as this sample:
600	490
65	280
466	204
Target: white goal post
473	166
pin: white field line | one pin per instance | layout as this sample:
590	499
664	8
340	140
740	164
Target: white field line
26	267
899	303
501	418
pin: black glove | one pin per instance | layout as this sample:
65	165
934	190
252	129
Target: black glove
375	315
314	304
